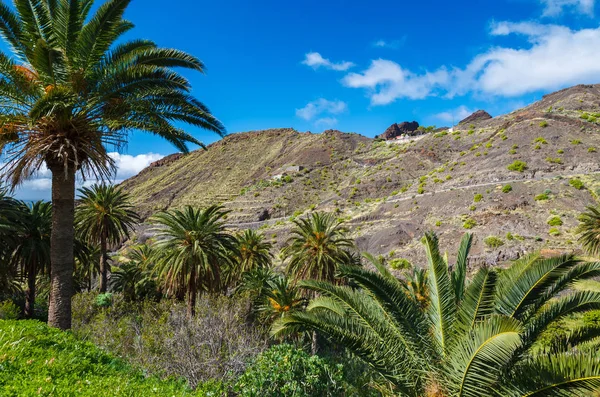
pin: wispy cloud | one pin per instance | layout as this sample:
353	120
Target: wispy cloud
315	60
556	57
321	107
393	45
553	8
325	122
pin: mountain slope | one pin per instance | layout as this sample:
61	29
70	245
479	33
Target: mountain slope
391	192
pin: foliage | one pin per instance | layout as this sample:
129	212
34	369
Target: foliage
400	264
542	197
543	124
469	223
37	360
287	371
555	221
589	230
104	300
9	311
159	337
507	189
479	344
493	242
518	166
253	253
478	197
577	183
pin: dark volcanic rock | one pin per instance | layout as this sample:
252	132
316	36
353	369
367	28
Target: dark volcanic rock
479	115
395	130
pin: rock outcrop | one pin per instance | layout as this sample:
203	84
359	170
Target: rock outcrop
396	130
480	115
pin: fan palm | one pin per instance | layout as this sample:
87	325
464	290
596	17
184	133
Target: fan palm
71	88
193	249
31	249
104	216
478	346
589	230
317	245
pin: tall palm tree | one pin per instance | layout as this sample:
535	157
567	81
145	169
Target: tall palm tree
253	253
31	248
104	216
71	88
589	230
478	346
193	249
317	246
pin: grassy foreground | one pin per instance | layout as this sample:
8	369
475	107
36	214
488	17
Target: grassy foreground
36	360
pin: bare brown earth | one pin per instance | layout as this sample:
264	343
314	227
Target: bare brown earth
391	193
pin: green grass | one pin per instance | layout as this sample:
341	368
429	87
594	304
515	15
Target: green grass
36	360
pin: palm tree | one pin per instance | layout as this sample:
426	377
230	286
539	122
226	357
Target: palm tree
87	264
317	246
31	248
134	277
9	215
478	346
253	253
589	230
74	87
104	216
193	249
282	298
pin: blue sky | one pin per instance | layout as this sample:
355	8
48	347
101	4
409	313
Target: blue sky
359	66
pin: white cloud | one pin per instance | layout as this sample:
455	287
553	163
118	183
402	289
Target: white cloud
326	122
454	115
554	8
394	44
321	107
388	81
315	60
39	186
555	58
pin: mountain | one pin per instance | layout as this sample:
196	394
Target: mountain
517	181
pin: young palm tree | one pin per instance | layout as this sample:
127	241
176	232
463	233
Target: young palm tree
193	249
104	216
589	230
31	249
253	253
317	246
71	88
282	299
478	346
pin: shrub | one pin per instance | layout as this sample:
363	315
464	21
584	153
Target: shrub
493	242
560	151
541	140
554	232
555	221
554	160
509	236
469	223
592	150
542	197
518	166
576	183
576	142
543	124
104	300
507	189
478	197
400	264
472	208
9	311
284	370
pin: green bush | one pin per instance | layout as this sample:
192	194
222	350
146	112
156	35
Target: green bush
104	300
554	160
507	189
543	124
518	166
542	197
469	223
555	221
38	360
576	183
478	197
284	370
9	311
493	242
541	140
400	264
554	232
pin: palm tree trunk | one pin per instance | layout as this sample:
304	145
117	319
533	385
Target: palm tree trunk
314	346
61	247
103	263
30	294
192	292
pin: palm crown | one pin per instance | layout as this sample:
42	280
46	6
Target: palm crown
479	345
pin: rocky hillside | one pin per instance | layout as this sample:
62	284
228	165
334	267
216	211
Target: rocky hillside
517	181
